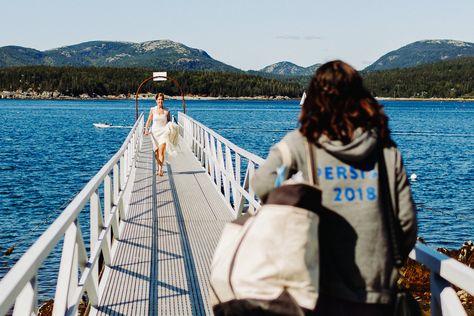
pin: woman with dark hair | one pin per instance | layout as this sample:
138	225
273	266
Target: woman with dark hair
347	130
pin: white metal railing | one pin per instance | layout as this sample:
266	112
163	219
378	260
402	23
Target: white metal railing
445	272
222	160
78	273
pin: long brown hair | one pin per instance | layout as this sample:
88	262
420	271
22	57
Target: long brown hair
337	103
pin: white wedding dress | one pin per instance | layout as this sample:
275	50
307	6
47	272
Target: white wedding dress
164	132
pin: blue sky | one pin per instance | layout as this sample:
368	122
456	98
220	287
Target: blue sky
248	34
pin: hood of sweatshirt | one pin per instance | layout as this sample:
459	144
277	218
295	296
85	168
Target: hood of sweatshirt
362	145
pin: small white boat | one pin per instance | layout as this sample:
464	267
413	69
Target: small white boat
102	125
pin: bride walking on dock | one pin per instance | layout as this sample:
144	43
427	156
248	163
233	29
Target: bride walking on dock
160	130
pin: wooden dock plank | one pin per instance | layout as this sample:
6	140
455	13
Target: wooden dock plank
163	259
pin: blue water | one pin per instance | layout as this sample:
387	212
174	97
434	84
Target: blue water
50	149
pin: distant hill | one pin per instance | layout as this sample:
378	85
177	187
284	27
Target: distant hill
286	68
446	79
160	54
20	56
423	52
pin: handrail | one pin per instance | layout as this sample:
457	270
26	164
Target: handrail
206	145
445	272
20	282
223	161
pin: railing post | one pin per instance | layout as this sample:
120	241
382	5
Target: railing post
239	206
194	138
238	195
207	152
201	148
220	166
251	169
108	207
125	170
444	300
230	174
122	172
214	162
209	159
130	159
74	273
65	270
96	226
26	302
117	184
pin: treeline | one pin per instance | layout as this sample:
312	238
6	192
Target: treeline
74	81
447	79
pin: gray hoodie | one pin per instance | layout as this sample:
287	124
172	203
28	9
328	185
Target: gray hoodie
356	263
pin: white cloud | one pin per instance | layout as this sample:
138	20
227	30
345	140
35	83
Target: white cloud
299	38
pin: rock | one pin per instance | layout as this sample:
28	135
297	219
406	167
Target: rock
46	95
46	309
7	94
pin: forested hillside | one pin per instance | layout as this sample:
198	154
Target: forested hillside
448	79
74	81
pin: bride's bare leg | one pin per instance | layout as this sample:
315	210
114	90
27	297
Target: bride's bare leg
157	157
161	157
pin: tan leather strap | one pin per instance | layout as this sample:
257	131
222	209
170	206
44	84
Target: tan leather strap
285	153
311	162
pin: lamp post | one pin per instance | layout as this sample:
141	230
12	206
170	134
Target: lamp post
158	76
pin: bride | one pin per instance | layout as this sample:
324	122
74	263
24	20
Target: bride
163	132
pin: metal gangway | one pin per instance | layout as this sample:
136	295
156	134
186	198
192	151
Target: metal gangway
152	238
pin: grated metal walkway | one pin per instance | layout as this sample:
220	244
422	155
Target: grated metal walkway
162	261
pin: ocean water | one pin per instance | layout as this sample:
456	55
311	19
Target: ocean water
49	150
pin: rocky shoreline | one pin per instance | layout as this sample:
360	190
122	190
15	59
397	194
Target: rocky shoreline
416	277
56	95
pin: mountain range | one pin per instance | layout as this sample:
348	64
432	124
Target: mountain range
287	68
161	54
423	52
169	55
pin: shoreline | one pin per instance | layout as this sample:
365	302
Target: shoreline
56	95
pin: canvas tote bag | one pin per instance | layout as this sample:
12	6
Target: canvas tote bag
268	262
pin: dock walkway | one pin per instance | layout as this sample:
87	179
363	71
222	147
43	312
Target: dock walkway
161	265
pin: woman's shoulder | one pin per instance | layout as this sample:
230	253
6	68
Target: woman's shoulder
294	138
295	142
392	154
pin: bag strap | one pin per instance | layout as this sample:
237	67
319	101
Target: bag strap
311	162
310	158
285	153
393	226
